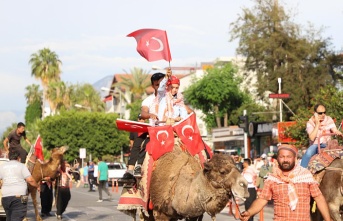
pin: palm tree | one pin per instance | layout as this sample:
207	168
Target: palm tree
87	96
46	67
136	83
33	94
59	94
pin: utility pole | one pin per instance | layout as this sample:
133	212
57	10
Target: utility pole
280	100
246	154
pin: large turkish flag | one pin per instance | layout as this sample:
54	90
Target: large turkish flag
152	44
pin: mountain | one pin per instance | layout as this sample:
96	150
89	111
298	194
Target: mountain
104	82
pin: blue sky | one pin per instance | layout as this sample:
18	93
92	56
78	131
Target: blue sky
90	36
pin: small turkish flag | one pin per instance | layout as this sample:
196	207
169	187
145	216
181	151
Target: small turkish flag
152	44
161	141
188	132
39	148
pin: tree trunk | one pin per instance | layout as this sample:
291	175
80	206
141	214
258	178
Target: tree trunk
217	116
225	119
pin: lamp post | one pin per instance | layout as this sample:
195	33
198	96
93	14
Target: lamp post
280	100
114	91
81	106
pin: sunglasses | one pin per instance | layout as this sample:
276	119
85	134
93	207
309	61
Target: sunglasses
320	113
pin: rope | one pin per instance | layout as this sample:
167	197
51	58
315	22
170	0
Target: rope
41	171
237	208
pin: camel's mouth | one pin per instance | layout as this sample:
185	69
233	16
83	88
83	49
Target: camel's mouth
64	148
237	195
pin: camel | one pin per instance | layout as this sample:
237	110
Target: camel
332	189
48	169
181	189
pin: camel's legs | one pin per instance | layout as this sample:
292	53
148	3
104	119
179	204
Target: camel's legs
33	192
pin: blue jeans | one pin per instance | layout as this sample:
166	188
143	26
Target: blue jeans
311	151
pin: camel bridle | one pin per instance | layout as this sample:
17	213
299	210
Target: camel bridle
222	185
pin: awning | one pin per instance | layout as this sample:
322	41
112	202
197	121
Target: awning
228	138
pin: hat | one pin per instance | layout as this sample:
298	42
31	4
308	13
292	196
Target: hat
263	156
173	80
288	147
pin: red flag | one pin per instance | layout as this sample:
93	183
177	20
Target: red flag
161	141
188	132
152	44
132	126
108	98
39	148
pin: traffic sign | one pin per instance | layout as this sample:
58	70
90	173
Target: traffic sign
279	96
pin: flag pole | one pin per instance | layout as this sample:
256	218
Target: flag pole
32	150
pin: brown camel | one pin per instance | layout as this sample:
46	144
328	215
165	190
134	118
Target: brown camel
48	169
332	189
182	189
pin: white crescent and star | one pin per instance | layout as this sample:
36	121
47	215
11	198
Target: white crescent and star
186	127
159	42
162	132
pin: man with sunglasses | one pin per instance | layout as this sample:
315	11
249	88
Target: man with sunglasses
317	126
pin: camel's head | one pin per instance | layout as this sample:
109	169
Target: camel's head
221	172
57	153
59	150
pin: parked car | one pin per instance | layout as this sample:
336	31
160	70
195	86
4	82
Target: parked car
2	211
116	170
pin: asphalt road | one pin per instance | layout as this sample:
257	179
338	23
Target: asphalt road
83	206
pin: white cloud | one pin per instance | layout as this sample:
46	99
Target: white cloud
6	120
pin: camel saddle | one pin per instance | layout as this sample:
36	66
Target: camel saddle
31	162
320	161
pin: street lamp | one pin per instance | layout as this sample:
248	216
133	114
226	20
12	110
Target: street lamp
81	106
114	91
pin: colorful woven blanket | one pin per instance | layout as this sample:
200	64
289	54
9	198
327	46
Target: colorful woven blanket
319	161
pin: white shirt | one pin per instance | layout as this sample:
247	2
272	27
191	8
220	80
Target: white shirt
95	170
148	102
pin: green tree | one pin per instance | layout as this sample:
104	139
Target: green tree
217	94
136	83
87	96
255	112
33	97
33	94
274	47
331	98
46	67
33	112
135	109
59	94
6	132
95	131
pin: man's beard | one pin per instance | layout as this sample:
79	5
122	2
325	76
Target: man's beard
287	166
